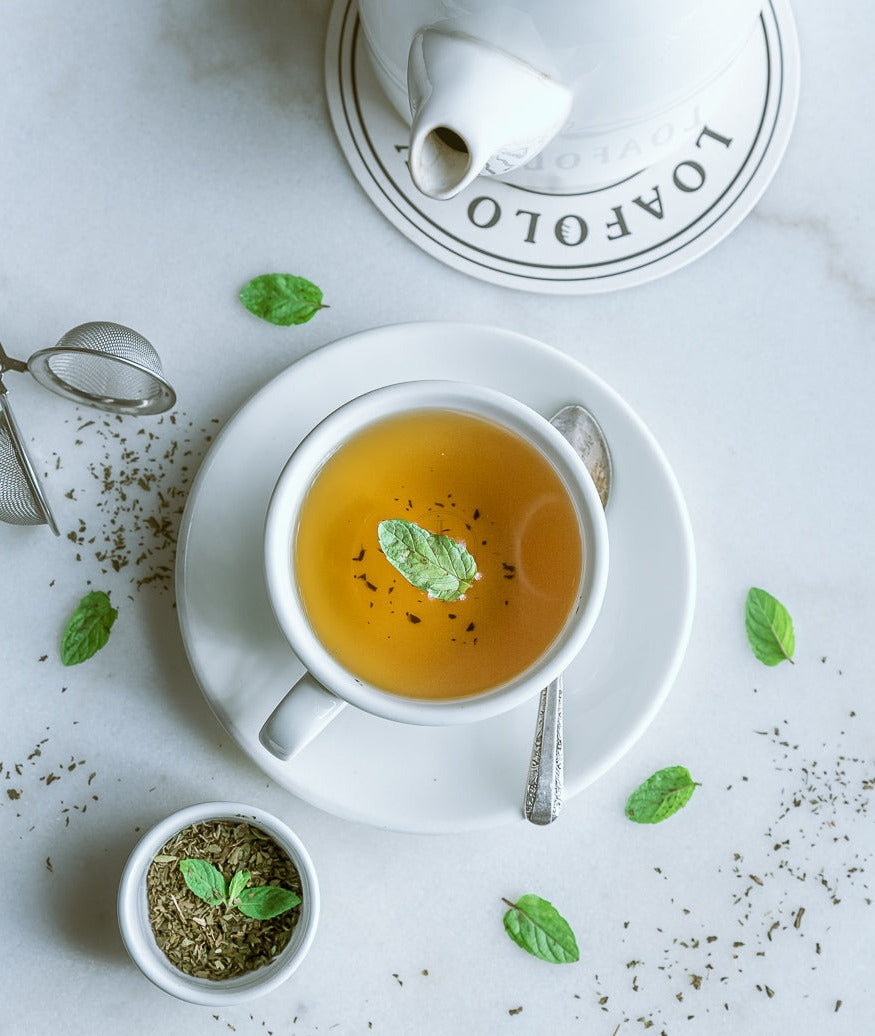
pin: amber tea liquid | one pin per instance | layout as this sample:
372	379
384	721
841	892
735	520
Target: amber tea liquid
474	481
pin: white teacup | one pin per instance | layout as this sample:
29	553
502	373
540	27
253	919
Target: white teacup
328	685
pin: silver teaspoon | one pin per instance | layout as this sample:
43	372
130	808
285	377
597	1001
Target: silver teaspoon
543	797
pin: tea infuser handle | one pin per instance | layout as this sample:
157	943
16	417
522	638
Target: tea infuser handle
25	464
543	798
304	712
8	364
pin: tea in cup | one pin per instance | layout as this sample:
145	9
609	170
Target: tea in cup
435	553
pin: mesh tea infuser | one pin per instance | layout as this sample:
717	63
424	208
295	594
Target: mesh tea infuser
101	364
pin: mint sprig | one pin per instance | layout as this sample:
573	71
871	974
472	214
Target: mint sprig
430	561
541	930
87	629
282	298
262	902
661	795
769	627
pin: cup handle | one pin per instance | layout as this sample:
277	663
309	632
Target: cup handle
305	711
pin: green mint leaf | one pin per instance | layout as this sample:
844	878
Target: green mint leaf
88	628
238	884
769	627
661	795
430	561
282	298
204	881
267	901
539	928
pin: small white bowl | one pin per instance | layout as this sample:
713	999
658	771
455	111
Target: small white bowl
136	930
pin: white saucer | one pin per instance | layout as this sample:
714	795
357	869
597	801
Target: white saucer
518	237
437	778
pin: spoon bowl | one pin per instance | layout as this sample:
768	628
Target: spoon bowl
584	433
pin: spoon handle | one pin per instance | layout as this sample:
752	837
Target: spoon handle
543	798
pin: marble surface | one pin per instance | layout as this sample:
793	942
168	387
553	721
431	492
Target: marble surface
156	156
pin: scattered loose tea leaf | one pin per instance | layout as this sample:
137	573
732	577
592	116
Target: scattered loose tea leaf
142	479
661	795
88	628
267	901
430	561
540	929
282	298
769	627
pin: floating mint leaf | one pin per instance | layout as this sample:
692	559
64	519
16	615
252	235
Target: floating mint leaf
661	795
204	881
267	901
238	884
88	628
282	298
769	627
430	561
540	929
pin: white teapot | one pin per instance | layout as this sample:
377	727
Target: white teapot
563	95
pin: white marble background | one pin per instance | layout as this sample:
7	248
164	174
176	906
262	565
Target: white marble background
154	157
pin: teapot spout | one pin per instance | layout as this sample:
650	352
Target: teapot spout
476	110
441	162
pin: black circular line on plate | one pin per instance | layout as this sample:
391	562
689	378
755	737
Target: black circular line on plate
563	279
441	243
570	268
549	266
